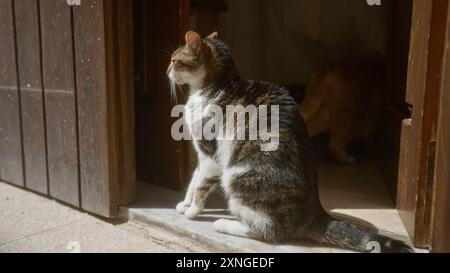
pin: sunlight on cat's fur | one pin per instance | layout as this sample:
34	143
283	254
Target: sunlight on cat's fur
273	194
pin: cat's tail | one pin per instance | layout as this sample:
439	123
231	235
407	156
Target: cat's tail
346	235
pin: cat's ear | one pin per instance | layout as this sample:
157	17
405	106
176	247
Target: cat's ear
193	40
213	35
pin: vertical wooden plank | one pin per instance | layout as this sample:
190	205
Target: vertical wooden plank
159	150
426	49
441	226
120	100
399	27
34	136
415	91
125	69
106	172
145	67
92	110
11	163
58	72
143	45
429	116
406	192
420	30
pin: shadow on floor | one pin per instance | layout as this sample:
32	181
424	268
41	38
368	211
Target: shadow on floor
351	192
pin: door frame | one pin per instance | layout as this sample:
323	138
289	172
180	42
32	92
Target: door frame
119	62
420	174
441	207
160	159
417	160
420	134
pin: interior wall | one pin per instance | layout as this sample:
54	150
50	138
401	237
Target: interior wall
285	41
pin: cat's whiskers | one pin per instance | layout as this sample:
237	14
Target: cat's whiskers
173	91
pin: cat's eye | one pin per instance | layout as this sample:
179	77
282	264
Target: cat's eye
181	64
186	65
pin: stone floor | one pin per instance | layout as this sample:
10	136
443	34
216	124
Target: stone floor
32	223
354	191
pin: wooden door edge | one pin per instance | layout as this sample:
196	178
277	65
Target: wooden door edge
120	92
441	206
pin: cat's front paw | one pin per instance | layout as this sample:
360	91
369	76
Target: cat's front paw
193	212
182	207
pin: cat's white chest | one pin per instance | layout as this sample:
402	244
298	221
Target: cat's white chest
194	112
197	109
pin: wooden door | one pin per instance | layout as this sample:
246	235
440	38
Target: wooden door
417	162
160	29
441	206
60	101
32	95
11	153
399	27
66	119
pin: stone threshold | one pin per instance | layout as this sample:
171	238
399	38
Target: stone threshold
156	206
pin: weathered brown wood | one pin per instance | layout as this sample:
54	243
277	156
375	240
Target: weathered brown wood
162	160
406	191
427	41
11	163
415	90
124	32
420	30
398	52
143	44
396	110
60	105
145	59
103	51
441	207
29	63
120	100
143	73
429	113
388	152
89	39
76	76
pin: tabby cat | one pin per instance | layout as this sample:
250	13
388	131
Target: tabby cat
273	194
346	100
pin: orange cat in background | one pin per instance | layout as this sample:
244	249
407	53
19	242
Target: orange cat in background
345	100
